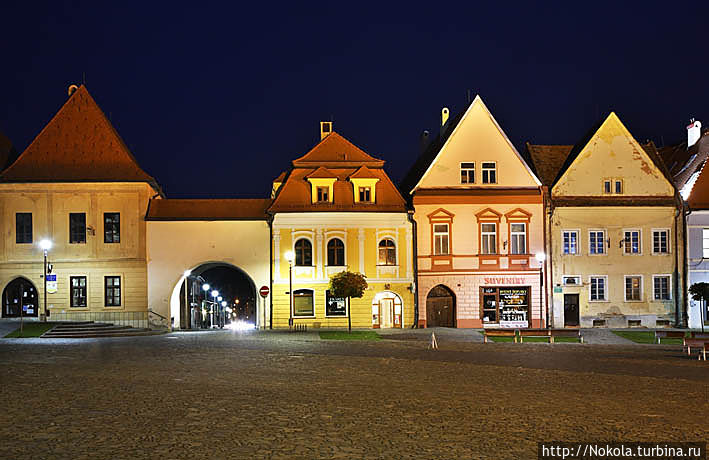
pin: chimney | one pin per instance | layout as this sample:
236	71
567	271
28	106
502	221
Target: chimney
694	132
424	140
325	129
444	116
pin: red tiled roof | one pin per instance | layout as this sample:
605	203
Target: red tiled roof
321	173
334	151
78	145
547	160
363	173
208	209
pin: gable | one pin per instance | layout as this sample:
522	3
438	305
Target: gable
612	154
477	138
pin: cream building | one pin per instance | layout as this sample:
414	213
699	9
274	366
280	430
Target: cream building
615	231
334	210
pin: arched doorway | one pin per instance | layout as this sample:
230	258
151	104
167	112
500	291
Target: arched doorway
234	305
387	310
19	295
440	307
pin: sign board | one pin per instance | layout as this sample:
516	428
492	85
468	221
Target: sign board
557	290
51	284
264	291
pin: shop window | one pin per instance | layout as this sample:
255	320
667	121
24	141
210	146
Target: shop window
335	306
570	241
489	172
23	227
467	173
661	287
335	252
111	227
77	227
387	252
303	253
78	291
660	241
441	239
633	288
631	242
597	242
488	238
598	288
505	307
303	303
518	238
112	291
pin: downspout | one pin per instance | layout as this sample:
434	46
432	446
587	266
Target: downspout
547	260
685	267
410	216
270	270
548	238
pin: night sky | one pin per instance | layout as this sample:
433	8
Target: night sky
217	100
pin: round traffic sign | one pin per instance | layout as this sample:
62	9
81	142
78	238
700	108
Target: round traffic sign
264	291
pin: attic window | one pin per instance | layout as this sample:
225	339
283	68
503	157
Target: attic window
618	186
489	171
606	186
365	194
467	173
323	194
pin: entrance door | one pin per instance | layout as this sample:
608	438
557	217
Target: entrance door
440	307
571	310
376	317
386	307
20	294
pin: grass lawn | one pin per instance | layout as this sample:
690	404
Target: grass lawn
645	337
354	335
536	339
30	329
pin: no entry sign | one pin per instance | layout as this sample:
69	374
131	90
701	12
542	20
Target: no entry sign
264	291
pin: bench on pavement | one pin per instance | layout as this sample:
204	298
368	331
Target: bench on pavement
668	335
500	333
702	344
576	333
543	333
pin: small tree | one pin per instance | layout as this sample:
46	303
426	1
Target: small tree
347	285
700	293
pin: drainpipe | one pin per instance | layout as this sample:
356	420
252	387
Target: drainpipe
685	268
270	270
410	216
549	215
547	261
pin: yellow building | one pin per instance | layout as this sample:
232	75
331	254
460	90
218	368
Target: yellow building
334	210
77	186
615	231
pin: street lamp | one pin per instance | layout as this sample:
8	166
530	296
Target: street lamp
45	245
215	293
205	288
541	257
289	257
187	313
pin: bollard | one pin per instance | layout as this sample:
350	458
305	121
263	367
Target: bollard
434	343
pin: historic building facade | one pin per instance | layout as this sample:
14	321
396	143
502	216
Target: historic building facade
77	187
334	210
615	228
479	216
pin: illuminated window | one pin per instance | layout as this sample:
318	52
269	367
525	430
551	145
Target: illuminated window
112	291
78	291
633	288
631	242
387	252
570	241
489	172
365	194
111	227
518	238
467	173
661	287
23	227
488	238
303	303
77	227
597	288
596	242
323	194
441	239
335	252
303	253
660	241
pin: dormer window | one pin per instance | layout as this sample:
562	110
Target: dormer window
365	194
489	172
467	173
323	194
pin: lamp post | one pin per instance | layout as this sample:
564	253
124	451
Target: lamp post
220	320
205	288
289	258
541	257
46	245
187	313
215	293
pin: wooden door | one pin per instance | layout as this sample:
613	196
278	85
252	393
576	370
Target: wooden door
439	312
571	310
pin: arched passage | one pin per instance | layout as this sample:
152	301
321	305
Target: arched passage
235	302
19	295
440	307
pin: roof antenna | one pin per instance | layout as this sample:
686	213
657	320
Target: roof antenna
469	95
84	78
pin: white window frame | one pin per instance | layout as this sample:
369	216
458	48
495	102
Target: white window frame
609	190
604	249
564	279
483	169
705	243
615	186
518	234
605	288
468	170
640	242
578	242
666	230
447	234
669	287
312	293
625	291
483	234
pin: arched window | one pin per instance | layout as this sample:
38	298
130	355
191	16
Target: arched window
387	252
303	253
336	252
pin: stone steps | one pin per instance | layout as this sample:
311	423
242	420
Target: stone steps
94	330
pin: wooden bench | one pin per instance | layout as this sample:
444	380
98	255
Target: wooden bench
669	335
500	333
702	344
576	333
544	333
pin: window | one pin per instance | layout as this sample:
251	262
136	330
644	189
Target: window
570	241
303	253
467	173
598	288
335	252
303	303
387	252
78	291
661	287
111	227
606	186
571	280
518	238
633	288
365	194
77	227
705	243
335	306
322	193
618	186
659	241
112	291
631	242
441	239
488	238
489	173
597	242
23	227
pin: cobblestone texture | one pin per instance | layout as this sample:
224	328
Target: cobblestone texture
280	395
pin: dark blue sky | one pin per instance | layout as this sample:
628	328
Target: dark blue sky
216	100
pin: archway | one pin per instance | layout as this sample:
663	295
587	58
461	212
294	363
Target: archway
440	307
20	295
233	306
387	310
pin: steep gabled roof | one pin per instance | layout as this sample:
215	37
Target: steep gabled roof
78	145
8	154
334	151
363	173
321	173
207	209
682	162
547	160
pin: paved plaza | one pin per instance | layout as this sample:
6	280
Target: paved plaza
226	394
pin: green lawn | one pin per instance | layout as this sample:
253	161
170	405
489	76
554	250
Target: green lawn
645	337
354	335
30	329
536	339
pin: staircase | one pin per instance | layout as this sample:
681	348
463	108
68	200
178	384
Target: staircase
89	329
